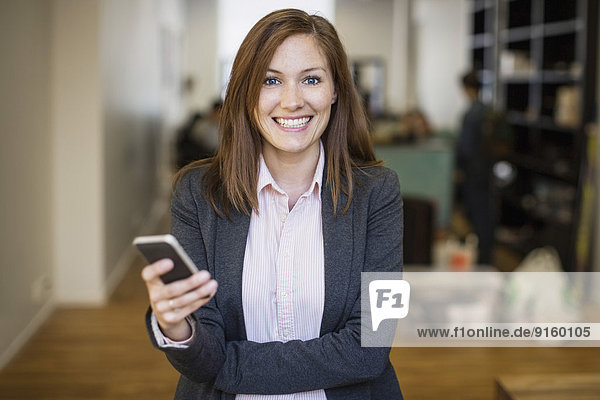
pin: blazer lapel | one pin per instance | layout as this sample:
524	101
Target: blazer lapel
230	246
337	246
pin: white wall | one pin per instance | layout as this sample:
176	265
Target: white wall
365	28
235	18
78	152
26	251
86	105
441	57
115	87
423	45
214	30
132	103
200	54
401	92
422	64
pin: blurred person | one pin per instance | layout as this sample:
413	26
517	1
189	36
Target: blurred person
186	148
475	166
199	137
205	132
286	216
415	125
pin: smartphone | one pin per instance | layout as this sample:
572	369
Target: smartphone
157	247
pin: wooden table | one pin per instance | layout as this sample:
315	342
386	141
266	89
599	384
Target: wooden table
548	387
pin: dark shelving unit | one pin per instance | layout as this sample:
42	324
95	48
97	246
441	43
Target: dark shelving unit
537	62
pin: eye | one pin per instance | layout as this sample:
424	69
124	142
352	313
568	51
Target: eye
270	81
312	80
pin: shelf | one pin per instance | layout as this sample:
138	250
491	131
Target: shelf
524	78
482	40
547	76
562	28
481	5
541	167
566	77
518	13
545	122
516	34
486	76
559	10
530	32
535	210
543	66
542	122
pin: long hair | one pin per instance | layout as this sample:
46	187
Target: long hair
232	174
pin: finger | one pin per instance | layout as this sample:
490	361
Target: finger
167	297
190	308
180	287
204	292
208	290
165	305
155	286
173	316
151	273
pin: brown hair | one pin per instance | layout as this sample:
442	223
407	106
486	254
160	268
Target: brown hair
232	174
471	80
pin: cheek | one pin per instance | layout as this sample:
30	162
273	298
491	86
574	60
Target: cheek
321	101
266	103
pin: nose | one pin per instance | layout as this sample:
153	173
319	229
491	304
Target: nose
291	97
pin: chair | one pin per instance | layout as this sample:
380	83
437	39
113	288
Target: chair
419	219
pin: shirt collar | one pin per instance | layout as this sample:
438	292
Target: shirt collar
265	178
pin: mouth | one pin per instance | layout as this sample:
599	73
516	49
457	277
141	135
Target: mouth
292	123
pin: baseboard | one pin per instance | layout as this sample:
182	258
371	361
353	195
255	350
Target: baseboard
23	337
155	216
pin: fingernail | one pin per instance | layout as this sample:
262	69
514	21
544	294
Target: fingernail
204	274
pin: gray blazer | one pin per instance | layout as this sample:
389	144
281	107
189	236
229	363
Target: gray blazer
220	361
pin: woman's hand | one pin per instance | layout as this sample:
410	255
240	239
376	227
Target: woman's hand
173	302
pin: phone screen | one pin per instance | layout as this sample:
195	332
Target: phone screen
157	251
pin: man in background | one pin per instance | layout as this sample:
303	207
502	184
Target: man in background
475	168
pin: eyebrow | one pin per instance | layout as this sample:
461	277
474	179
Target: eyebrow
303	71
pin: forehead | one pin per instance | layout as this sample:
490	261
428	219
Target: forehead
298	52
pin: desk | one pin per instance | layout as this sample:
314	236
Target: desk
548	387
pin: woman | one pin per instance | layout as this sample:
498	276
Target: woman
285	217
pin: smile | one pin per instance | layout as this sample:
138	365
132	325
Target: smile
293	122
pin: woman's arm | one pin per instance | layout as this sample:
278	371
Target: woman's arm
337	358
203	357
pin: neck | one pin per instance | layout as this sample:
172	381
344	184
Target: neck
293	172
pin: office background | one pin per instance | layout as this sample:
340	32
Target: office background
92	95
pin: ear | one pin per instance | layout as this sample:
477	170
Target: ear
334	97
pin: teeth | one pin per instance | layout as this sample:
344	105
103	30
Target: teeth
292	123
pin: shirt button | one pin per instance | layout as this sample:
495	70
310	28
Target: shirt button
286	334
286	254
284	293
283	218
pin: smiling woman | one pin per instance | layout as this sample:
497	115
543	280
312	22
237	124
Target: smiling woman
285	217
294	108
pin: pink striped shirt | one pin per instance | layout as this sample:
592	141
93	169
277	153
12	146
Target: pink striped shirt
283	282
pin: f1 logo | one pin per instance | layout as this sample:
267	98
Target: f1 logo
389	299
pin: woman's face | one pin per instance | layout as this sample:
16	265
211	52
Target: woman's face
295	99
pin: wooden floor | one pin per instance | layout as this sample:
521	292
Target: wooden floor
101	354
93	354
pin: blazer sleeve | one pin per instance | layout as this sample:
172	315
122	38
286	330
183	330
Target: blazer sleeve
202	359
337	358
